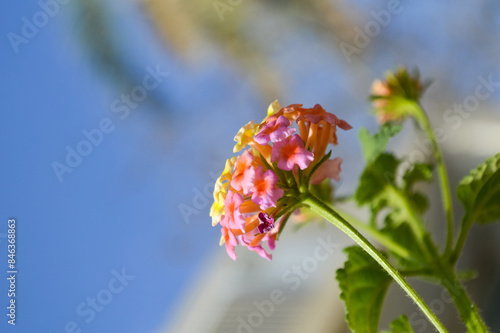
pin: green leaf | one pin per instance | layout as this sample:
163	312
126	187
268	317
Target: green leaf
379	187
479	192
419	201
376	177
400	325
374	145
401	234
363	286
418	172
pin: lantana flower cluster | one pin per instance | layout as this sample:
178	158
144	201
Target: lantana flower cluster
257	191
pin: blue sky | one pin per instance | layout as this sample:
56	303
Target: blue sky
117	209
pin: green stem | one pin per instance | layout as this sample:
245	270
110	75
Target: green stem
375	234
467	309
464	231
443	178
336	219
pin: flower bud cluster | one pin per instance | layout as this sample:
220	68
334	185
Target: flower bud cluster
397	97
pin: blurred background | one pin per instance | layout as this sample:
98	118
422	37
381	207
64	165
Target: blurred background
117	116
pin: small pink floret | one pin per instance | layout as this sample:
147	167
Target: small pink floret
265	191
230	241
274	131
243	175
246	240
290	152
232	218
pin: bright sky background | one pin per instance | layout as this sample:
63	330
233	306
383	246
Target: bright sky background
117	209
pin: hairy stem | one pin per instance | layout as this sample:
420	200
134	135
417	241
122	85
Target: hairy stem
443	178
447	277
336	219
464	231
467	309
375	234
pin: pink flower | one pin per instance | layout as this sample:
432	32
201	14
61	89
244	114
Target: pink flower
233	218
290	152
265	192
261	252
274	131
329	169
244	173
272	235
230	241
254	243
